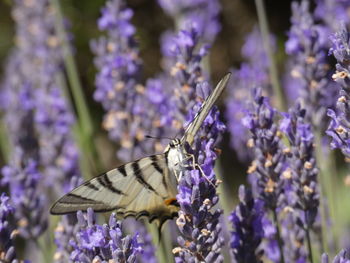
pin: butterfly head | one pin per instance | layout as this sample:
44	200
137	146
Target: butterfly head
174	143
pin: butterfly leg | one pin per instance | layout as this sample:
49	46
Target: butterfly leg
195	165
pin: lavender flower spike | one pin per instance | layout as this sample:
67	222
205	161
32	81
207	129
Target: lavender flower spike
247	228
342	257
202	14
339	127
301	186
198	222
132	109
269	163
302	165
96	243
252	74
307	45
7	250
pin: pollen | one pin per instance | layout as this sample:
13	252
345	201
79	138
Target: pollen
340	75
286	150
23	223
57	256
140	136
250	143
207	202
140	89
252	168
342	99
313	84
288	209
307	189
308	165
186	88
158	146
295	74
111	94
14	233
52	41
180	66
270	186
59	228
177	250
287	174
205	232
111	47
310	60
157	123
340	129
119	85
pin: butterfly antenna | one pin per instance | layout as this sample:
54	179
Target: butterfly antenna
157	138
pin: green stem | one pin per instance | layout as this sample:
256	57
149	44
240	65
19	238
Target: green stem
161	252
5	145
279	239
45	247
309	247
326	193
72	72
264	28
84	131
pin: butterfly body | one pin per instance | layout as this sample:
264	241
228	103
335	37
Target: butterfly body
143	188
176	155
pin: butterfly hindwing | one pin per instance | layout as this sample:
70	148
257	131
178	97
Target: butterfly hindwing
139	188
197	121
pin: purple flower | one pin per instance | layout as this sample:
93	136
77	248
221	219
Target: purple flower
197	221
302	169
23	179
38	118
7	233
339	126
332	12
301	185
95	242
269	163
268	148
133	110
248	231
342	257
252	74
201	14
66	230
307	44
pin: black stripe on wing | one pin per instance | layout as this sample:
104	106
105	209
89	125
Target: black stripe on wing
91	186
155	164
139	177
122	170
107	184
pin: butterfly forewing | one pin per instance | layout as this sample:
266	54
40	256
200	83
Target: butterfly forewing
197	121
137	188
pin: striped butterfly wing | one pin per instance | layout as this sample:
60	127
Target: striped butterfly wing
139	188
197	121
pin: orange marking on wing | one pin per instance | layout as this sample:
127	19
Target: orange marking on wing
170	201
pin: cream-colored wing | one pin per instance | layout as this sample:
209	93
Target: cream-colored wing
139	188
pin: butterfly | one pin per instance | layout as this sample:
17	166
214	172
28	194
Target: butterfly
143	188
